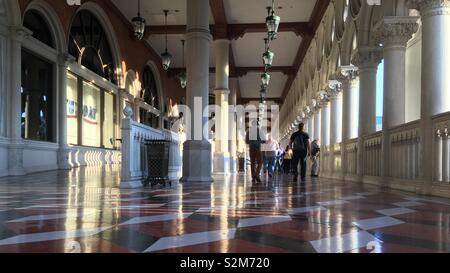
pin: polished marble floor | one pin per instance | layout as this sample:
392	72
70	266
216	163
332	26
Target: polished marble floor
84	211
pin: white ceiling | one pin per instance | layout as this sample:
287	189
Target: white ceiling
254	11
250	85
247	50
152	11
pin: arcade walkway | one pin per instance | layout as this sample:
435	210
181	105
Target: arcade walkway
83	211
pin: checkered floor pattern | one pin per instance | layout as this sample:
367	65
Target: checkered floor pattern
84	210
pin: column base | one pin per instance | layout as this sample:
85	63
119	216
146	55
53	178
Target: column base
222	163
233	165
15	157
131	184
197	162
63	158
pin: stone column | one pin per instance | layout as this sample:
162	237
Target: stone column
435	96
325	121
394	33
222	91
16	147
233	126
350	109
310	118
64	151
335	95
367	59
350	102
197	149
317	123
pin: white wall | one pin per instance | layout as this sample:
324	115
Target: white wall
40	156
413	78
3	157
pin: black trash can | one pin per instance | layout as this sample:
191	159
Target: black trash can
241	164
157	162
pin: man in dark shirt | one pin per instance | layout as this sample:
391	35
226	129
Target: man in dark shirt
254	141
301	148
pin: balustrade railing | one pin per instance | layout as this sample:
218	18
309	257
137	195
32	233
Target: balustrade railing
372	154
336	163
441	125
351	153
325	158
134	161
405	155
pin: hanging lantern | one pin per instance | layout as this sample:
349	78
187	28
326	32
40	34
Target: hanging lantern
265	79
166	57
263	91
268	55
272	21
138	24
183	79
183	76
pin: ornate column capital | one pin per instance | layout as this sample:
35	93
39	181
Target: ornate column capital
18	34
429	8
368	57
322	99
347	73
66	59
334	88
395	31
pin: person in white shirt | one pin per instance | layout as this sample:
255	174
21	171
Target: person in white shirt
270	149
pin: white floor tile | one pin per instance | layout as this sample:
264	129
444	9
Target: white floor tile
352	197
333	202
342	243
305	209
259	221
44	217
379	222
143	206
156	218
408	204
395	211
192	239
51	236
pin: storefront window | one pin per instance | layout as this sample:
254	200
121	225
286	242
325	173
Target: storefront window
37	98
91	115
72	109
98	114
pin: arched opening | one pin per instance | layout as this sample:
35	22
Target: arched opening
38	80
91	104
40	28
89	45
149	113
379	97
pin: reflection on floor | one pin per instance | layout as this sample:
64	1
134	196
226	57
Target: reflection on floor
84	211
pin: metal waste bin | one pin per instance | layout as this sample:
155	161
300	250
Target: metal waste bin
157	162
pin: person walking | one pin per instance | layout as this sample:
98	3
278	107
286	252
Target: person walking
254	141
301	150
287	158
315	153
270	149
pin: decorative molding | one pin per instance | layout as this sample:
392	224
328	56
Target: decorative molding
394	31
367	57
429	8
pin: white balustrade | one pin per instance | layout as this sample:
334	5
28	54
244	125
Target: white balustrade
442	148
134	161
405	154
325	159
351	151
372	154
336	159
